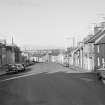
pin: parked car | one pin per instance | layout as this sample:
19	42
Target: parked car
20	67
24	64
31	63
11	68
66	64
101	73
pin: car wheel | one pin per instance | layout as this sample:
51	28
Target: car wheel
16	71
100	78
98	74
24	69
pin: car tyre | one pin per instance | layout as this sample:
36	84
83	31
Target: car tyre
100	78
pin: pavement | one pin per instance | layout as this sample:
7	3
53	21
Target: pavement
50	84
2	71
78	69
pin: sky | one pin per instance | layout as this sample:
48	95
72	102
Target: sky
48	23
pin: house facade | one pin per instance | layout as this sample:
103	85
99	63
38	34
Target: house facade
10	55
61	57
97	50
3	51
76	57
17	52
100	51
91	55
88	56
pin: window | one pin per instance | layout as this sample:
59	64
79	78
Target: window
98	61
98	48
103	62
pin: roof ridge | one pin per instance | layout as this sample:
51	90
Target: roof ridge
97	35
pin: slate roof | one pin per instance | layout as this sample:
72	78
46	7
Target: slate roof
95	37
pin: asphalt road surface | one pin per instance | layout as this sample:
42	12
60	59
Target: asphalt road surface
51	84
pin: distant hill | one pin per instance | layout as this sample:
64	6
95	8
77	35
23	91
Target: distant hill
37	47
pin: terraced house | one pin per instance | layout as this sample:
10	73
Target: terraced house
97	43
91	55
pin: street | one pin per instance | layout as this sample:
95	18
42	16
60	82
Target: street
51	84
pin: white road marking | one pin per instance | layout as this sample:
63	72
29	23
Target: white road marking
20	76
87	79
103	81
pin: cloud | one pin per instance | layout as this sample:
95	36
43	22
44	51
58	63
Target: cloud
30	3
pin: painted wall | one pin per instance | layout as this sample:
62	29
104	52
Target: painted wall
99	55
88	56
4	56
10	57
